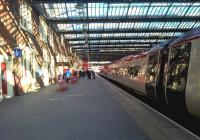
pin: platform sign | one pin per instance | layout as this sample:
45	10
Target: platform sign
17	52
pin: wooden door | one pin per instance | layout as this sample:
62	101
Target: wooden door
4	78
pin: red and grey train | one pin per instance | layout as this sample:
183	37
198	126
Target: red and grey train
168	73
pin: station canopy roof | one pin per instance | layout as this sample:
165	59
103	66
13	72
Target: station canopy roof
110	29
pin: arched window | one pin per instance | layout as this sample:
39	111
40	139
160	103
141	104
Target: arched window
26	16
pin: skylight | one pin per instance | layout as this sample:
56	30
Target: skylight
117	24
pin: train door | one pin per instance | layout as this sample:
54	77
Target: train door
3	78
161	80
152	73
177	75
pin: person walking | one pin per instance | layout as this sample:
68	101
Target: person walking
88	72
67	75
93	74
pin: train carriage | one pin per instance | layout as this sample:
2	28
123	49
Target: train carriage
168	73
183	80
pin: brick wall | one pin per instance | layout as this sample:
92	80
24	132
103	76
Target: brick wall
13	35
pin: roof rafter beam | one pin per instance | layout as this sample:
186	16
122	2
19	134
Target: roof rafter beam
104	51
110	53
120	20
115	47
125	31
110	1
121	38
117	43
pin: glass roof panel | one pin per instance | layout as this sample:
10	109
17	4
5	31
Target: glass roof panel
158	10
97	9
171	25
117	9
76	46
95	26
157	25
177	34
119	34
196	25
65	27
141	25
138	10
56	10
123	41
111	25
48	9
81	42
71	10
68	36
74	12
95	35
94	41
123	10
119	41
104	41
196	4
178	9
80	36
73	42
78	27
104	35
193	11
186	25
107	35
81	49
113	41
126	25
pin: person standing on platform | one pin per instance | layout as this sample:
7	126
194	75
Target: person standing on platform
83	73
67	75
88	72
1	95
60	80
80	73
51	77
93	74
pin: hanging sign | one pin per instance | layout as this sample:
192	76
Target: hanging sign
18	52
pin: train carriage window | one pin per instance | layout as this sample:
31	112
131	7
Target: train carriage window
130	70
178	67
152	69
125	72
135	70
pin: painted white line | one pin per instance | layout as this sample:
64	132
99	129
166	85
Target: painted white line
184	129
75	95
58	99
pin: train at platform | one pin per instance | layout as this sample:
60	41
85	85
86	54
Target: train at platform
168	73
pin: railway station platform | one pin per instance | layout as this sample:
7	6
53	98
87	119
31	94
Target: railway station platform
87	110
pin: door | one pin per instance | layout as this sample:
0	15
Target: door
152	73
4	78
177	74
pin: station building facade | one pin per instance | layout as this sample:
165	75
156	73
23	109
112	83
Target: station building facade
29	49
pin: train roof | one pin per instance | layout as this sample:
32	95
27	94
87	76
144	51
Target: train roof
162	45
192	34
127	57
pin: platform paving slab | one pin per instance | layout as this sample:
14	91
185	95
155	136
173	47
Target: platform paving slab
87	110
